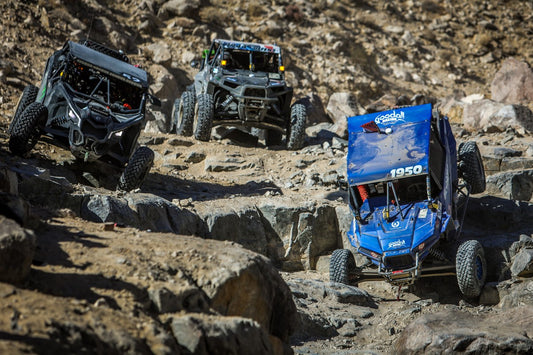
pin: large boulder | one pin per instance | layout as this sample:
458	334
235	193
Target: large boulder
462	332
186	8
513	83
302	233
241	283
17	247
515	185
488	115
342	105
204	334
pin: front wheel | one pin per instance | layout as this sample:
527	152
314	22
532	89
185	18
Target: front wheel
471	268
204	120
296	133
138	167
29	94
341	266
26	128
184	117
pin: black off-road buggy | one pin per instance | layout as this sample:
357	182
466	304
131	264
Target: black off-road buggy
241	84
92	100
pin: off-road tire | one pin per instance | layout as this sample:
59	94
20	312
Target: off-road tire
341	266
26	128
204	120
184	118
29	94
174	116
471	167
471	268
138	167
272	137
296	133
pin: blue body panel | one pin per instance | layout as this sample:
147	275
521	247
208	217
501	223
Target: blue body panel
372	155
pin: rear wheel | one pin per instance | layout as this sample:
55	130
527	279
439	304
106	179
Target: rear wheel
471	268
341	266
204	121
138	167
296	134
471	167
184	117
26	128
29	94
174	116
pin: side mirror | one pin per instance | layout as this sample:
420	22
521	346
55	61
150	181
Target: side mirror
195	63
154	100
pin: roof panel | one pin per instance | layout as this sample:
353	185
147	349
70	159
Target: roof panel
110	64
399	149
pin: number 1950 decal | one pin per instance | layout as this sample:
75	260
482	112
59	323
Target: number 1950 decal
408	170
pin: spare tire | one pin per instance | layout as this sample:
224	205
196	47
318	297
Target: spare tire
471	167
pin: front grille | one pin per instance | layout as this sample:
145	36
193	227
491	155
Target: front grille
252	92
93	129
398	261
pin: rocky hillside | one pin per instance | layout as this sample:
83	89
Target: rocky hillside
225	248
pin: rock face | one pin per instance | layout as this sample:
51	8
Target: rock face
505	332
17	247
489	116
513	83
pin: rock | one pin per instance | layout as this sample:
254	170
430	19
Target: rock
15	208
519	295
523	263
158	214
489	115
101	208
489	294
186	8
342	105
513	83
170	298
197	334
8	181
306	233
226	163
525	241
243	226
159	53
17	247
515	185
463	332
195	157
244	284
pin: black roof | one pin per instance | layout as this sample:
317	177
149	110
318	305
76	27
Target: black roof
108	64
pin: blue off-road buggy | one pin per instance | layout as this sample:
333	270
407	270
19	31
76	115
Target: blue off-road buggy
408	192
